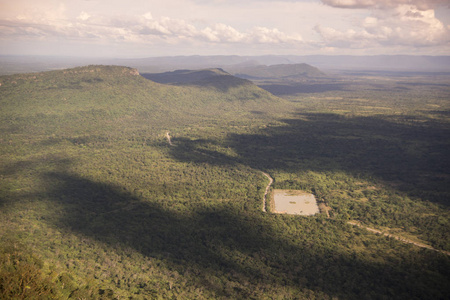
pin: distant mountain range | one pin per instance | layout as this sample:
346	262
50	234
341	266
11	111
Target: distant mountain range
223	80
234	63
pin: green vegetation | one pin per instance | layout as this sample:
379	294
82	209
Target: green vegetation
96	204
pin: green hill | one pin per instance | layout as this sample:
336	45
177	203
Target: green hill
101	96
95	203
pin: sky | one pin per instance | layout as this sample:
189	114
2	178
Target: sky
151	28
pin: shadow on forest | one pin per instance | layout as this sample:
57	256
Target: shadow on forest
231	253
297	88
237	254
411	153
211	78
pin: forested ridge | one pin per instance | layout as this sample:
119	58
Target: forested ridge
95	203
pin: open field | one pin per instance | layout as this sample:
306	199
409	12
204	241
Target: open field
294	202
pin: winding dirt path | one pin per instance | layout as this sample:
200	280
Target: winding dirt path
267	190
399	238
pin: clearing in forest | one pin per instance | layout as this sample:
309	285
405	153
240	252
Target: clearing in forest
294	202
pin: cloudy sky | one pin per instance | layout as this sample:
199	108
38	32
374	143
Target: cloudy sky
144	28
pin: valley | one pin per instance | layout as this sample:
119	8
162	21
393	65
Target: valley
114	185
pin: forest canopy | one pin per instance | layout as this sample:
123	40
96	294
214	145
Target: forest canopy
95	202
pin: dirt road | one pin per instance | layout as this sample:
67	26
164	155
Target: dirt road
267	190
399	238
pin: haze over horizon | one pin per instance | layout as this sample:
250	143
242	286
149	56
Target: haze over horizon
97	28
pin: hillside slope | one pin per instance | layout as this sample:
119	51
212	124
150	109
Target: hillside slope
111	94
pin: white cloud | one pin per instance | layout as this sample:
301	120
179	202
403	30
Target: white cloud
137	28
259	35
404	25
267	35
148	16
385	4
228	26
222	33
83	16
344	39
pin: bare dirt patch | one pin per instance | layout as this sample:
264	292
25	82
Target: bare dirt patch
294	202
